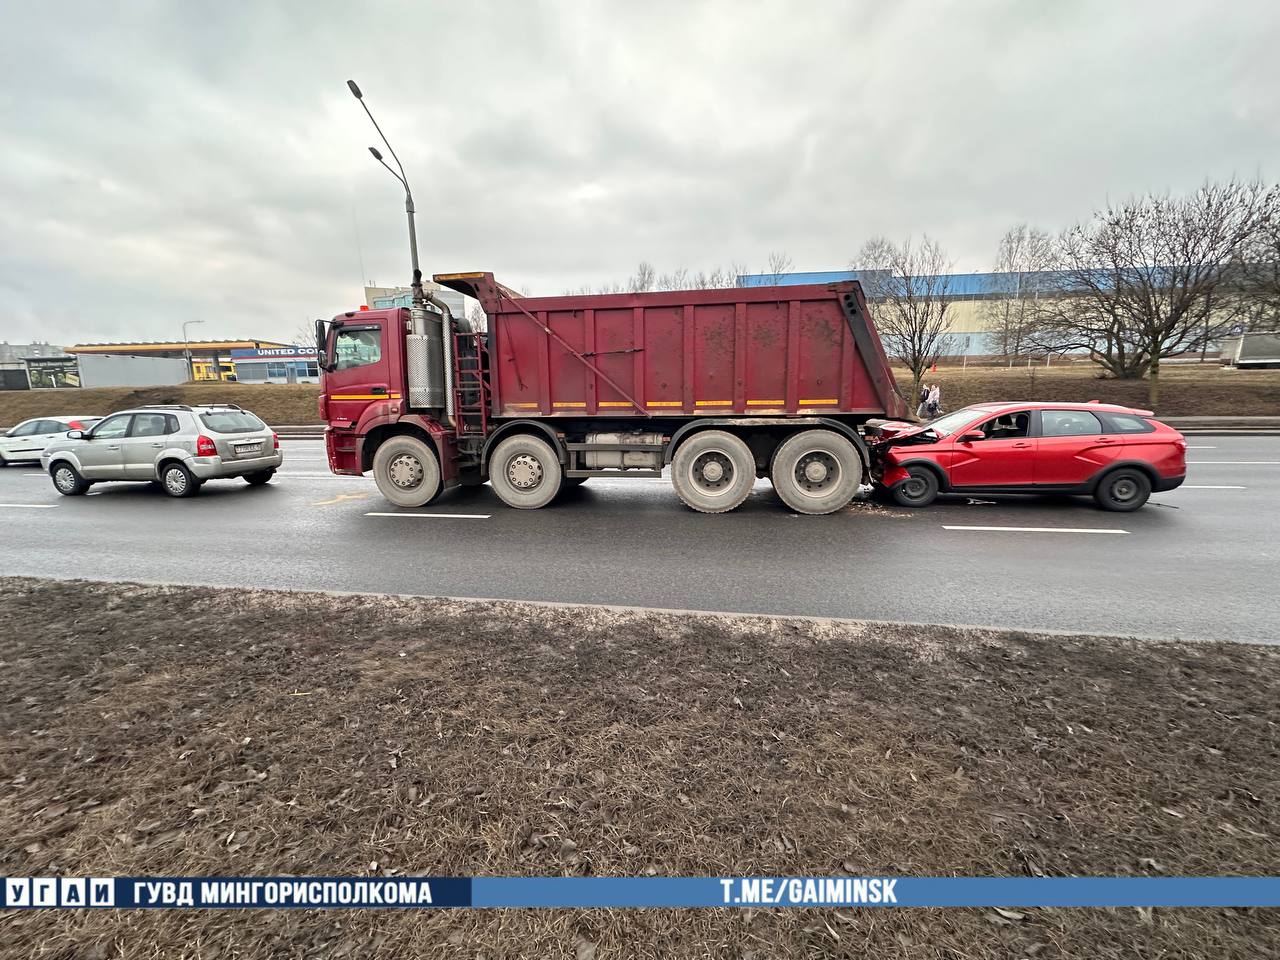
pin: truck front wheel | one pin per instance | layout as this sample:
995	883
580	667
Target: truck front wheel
406	471
525	472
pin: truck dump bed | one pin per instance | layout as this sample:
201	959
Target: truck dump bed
742	351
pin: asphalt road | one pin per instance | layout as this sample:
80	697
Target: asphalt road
1199	562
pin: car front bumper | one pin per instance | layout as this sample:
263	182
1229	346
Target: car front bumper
214	468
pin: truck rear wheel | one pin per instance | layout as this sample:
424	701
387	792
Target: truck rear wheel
525	472
713	472
406	471
816	471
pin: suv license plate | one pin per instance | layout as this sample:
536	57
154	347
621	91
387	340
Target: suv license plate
246	449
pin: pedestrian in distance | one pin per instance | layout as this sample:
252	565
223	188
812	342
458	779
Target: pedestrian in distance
934	402
922	408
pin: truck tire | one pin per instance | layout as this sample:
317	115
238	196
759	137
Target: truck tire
816	471
1123	490
525	472
406	471
713	472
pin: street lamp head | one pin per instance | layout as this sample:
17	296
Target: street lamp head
376	154
355	91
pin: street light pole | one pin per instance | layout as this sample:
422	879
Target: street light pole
418	296
186	343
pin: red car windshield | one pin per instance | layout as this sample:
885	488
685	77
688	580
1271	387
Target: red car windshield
948	424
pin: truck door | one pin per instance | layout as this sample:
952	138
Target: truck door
361	371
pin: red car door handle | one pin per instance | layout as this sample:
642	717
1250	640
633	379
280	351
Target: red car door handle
1021	446
1106	440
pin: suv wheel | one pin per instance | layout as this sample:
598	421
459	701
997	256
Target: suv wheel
67	480
919	489
178	481
1123	490
259	478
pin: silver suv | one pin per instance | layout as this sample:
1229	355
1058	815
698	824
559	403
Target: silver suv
177	446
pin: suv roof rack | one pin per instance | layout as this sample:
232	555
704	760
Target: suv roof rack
229	406
163	406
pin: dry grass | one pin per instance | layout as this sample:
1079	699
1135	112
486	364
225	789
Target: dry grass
155	730
277	403
1187	391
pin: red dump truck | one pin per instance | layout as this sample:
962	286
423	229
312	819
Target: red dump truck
723	386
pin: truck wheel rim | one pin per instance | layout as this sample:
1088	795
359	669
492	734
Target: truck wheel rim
406	471
711	472
174	480
1124	490
816	472
64	479
524	472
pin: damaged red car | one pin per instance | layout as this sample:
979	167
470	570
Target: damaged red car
1117	455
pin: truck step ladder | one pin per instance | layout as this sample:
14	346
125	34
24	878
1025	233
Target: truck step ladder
470	393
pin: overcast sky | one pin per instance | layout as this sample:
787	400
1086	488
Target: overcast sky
170	161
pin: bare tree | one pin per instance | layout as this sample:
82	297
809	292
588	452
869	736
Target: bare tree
1260	277
1150	278
907	287
642	279
675	280
305	334
1023	262
779	266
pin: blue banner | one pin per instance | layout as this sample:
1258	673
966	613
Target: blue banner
632	892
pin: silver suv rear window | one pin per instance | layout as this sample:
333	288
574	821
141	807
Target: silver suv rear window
232	421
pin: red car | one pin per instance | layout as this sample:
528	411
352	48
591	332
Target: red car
1117	455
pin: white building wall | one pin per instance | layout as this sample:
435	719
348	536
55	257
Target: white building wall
101	370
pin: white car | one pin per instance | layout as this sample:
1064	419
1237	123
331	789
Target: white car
28	439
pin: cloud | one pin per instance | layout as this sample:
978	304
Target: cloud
165	162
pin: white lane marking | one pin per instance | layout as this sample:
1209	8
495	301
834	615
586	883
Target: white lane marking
29	506
1191	446
434	516
1243	462
1035	529
1206	486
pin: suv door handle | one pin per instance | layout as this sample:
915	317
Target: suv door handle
157	444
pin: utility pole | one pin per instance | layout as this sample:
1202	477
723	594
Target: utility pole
418	295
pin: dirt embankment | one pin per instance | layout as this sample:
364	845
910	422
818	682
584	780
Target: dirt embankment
186	731
1207	391
1184	391
276	403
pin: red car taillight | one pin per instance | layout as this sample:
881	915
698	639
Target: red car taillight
205	447
275	441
